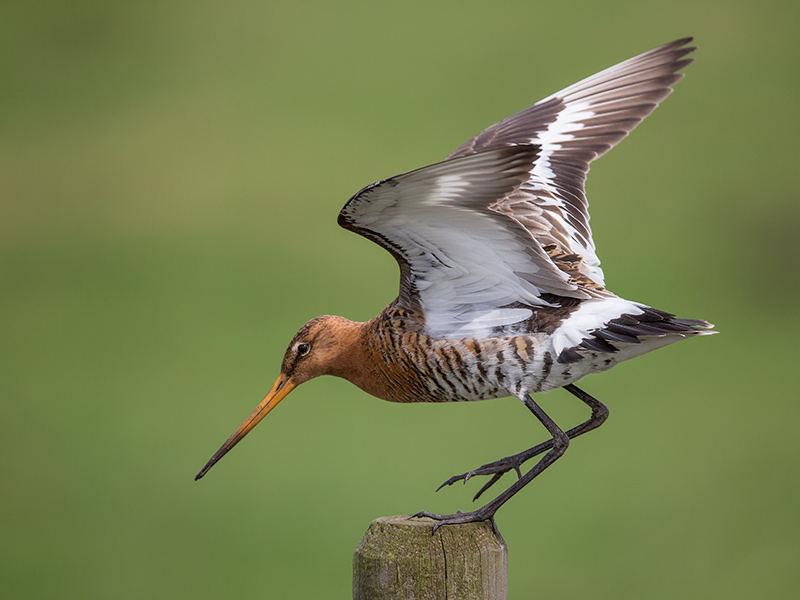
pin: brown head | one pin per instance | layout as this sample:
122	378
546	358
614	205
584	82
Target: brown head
323	346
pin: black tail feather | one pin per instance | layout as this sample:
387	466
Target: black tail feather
631	329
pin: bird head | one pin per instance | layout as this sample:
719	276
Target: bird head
315	350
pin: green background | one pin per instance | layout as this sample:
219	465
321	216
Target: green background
170	176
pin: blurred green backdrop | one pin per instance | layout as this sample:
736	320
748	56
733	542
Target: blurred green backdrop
170	176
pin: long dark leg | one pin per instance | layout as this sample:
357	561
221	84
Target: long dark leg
499	467
558	445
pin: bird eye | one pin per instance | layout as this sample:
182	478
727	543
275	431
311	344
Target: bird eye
302	349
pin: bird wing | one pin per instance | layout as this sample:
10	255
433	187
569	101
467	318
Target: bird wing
465	267
572	128
502	224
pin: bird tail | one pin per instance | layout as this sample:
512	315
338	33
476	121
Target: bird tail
630	335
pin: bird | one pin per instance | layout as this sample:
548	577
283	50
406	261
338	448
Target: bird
501	291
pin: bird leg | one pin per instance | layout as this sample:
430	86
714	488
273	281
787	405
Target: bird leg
499	467
558	444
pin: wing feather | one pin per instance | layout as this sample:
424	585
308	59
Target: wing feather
573	127
463	266
502	226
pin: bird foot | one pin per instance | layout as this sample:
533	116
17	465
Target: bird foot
497	469
475	516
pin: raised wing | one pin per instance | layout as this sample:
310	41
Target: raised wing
572	128
465	267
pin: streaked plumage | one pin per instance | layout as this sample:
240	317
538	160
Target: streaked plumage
501	291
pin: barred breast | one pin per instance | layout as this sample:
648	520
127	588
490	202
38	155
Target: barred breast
411	366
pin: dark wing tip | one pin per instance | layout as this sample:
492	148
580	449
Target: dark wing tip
679	45
682	42
678	49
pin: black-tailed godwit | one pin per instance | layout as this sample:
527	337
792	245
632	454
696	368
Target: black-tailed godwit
501	291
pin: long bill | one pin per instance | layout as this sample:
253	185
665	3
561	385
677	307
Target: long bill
279	391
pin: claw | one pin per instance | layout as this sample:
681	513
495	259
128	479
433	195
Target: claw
438	518
459	517
495	478
463	477
450	481
496	469
470	474
420	514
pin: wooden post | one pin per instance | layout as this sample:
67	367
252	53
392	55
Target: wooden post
399	559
